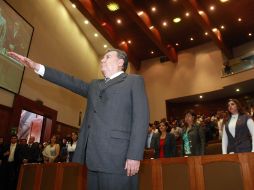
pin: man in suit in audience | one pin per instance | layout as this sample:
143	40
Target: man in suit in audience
12	159
32	151
113	133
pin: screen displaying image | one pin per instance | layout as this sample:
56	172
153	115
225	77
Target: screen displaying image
15	35
30	124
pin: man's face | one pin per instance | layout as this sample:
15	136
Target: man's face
111	64
13	140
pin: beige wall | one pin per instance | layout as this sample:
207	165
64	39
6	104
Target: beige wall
56	42
197	71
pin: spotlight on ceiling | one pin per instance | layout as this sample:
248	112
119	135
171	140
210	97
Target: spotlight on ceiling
177	19
201	97
224	1
237	90
187	14
73	5
105	45
113	6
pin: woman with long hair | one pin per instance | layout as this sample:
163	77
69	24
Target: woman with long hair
51	151
193	136
238	132
163	143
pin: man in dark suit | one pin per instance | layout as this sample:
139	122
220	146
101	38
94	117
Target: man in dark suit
113	133
32	151
12	159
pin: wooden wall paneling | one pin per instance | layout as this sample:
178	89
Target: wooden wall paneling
247	164
219	172
178	173
5	115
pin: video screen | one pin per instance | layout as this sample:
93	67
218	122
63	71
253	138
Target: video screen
30	124
15	35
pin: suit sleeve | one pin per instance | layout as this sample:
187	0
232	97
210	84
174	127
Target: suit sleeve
202	140
69	82
140	120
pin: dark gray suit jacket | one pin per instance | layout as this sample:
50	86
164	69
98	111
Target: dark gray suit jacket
115	123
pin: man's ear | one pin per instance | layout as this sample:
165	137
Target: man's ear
121	62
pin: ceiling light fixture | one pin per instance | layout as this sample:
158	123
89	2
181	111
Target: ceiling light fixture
206	33
200	12
214	29
177	44
222	27
164	23
105	45
239	19
153	9
113	6
74	6
123	42
200	96
187	14
191	39
211	8
151	27
119	21
86	22
129	41
237	90
95	35
140	13
250	34
177	19
224	1
152	52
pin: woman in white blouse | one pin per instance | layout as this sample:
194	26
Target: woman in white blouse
51	151
72	146
238	132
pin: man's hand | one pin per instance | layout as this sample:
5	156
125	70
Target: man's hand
24	60
132	167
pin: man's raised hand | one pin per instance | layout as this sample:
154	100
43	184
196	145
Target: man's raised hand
24	60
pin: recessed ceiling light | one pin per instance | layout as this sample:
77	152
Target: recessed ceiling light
119	21
214	29
200	96
239	19
174	1
123	42
140	13
105	45
74	6
177	19
129	41
212	7
177	44
86	22
164	23
151	27
187	14
112	6
206	33
224	1
200	12
222	27
153	9
95	35
237	90
152	52
250	34
191	39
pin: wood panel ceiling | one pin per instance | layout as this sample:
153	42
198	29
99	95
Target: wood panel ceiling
145	28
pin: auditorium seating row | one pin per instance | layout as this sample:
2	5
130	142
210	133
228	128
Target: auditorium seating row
214	172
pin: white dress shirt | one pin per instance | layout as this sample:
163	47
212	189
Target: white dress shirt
12	151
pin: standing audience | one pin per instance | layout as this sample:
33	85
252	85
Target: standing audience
71	147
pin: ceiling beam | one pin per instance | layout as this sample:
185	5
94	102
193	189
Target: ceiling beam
129	9
202	19
86	9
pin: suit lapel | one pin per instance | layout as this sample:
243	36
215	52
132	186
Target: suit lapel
113	81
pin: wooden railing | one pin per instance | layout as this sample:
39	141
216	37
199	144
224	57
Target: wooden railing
215	172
